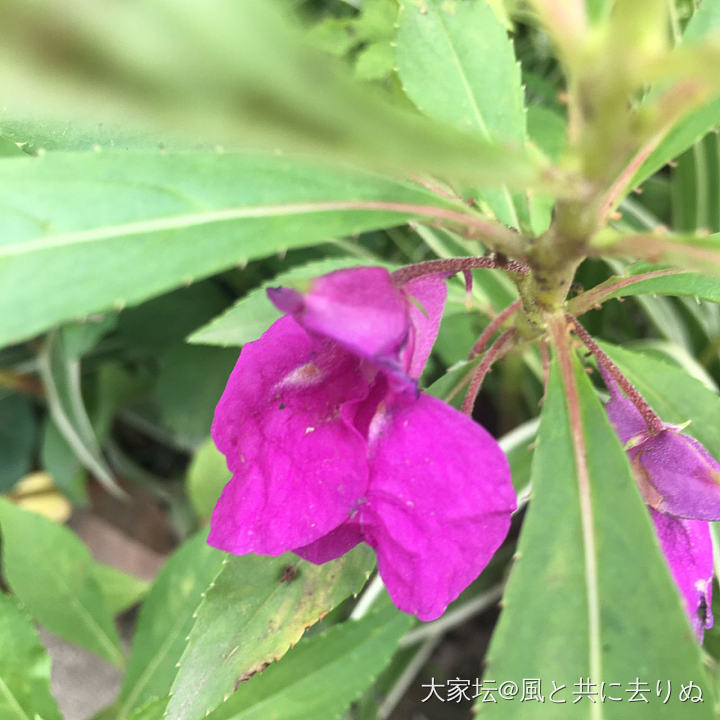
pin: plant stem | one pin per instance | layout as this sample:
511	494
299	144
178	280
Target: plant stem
654	423
494	325
455	265
495	352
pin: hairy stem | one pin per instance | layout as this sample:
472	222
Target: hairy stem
454	265
494	325
654	423
495	352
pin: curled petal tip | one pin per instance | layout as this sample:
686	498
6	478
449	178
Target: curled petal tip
285	299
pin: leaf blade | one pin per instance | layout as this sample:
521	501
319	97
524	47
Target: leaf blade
113	240
51	572
242	626
628	608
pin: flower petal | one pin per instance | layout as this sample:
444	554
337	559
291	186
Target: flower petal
684	475
688	550
439	502
359	308
336	543
429	292
625	417
298	466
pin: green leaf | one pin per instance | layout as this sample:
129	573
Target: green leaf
51	572
704	23
253	314
121	590
451	386
59	460
59	367
188	415
690	252
206	477
590	595
458	66
24	667
322	675
257	608
166	618
18	428
151	710
673	394
682	284
118	228
202	80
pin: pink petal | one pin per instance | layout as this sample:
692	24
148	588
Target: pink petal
429	292
685	477
298	465
359	308
688	550
439	502
334	544
625	417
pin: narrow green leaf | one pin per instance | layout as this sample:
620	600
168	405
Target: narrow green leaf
603	605
118	228
206	477
51	572
151	710
257	608
673	394
18	428
322	675
704	23
166	618
202	79
121	590
458	66
681	284
24	667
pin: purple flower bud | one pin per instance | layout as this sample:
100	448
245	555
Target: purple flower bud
330	445
680	482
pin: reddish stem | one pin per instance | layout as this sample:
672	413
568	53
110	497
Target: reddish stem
468	288
652	420
495	352
494	325
455	265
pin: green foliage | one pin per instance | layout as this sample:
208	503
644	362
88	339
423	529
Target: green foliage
457	65
255	610
601	534
323	674
24	667
162	164
206	477
17	438
51	572
166	618
187	219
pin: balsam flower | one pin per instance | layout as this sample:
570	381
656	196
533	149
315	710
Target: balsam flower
680	482
330	444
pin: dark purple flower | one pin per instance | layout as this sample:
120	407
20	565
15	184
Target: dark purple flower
680	482
330	444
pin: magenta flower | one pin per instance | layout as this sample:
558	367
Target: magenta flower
680	482
330	444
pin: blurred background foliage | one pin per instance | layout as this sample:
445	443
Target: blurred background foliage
115	411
